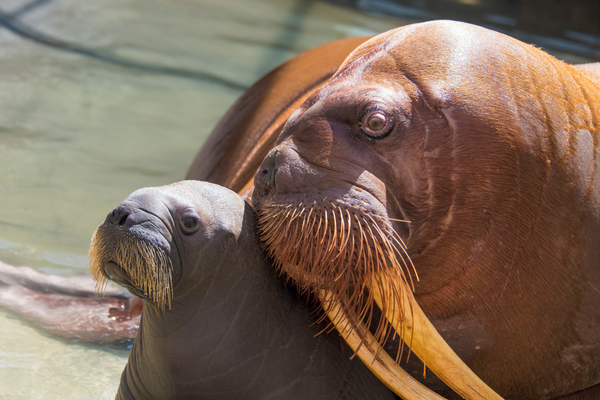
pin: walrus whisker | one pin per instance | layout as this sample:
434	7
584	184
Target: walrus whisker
380	332
326	219
334	240
392	255
295	234
392	219
294	215
394	249
316	251
394	235
319	227
377	248
301	210
402	247
364	235
342	272
382	328
342	229
147	266
305	219
314	221
360	251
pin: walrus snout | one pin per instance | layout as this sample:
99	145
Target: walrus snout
137	218
264	179
133	248
118	275
118	216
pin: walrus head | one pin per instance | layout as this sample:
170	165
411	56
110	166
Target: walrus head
335	196
142	242
434	124
332	211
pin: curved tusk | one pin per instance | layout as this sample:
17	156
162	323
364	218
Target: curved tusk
373	355
429	346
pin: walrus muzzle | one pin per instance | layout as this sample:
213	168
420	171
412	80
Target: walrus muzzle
134	262
332	246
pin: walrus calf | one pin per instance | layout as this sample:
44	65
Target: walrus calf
462	163
217	321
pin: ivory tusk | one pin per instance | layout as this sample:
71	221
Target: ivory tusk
429	346
373	356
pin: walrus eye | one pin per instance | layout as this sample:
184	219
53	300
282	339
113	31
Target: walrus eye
376	124
190	222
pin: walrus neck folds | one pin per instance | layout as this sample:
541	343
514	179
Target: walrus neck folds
338	247
147	267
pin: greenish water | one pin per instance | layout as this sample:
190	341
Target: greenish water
35	366
99	98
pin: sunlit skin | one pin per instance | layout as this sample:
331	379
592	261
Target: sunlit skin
489	147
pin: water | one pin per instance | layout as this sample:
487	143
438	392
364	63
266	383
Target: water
102	97
35	366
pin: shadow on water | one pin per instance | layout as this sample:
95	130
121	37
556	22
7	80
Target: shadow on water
570	27
25	8
289	35
13	23
555	25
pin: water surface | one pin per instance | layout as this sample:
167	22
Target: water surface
99	98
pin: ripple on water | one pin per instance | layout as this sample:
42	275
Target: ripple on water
36	366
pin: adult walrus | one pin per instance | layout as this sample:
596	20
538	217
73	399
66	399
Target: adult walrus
489	147
217	321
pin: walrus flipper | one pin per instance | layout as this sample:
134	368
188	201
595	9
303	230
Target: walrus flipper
68	306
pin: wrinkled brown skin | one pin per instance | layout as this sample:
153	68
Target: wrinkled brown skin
493	158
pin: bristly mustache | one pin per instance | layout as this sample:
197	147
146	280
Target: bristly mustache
340	249
147	265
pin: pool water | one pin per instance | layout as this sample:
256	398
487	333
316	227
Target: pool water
80	131
100	98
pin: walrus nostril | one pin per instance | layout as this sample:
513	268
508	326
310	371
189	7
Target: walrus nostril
118	216
264	179
123	219
267	176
